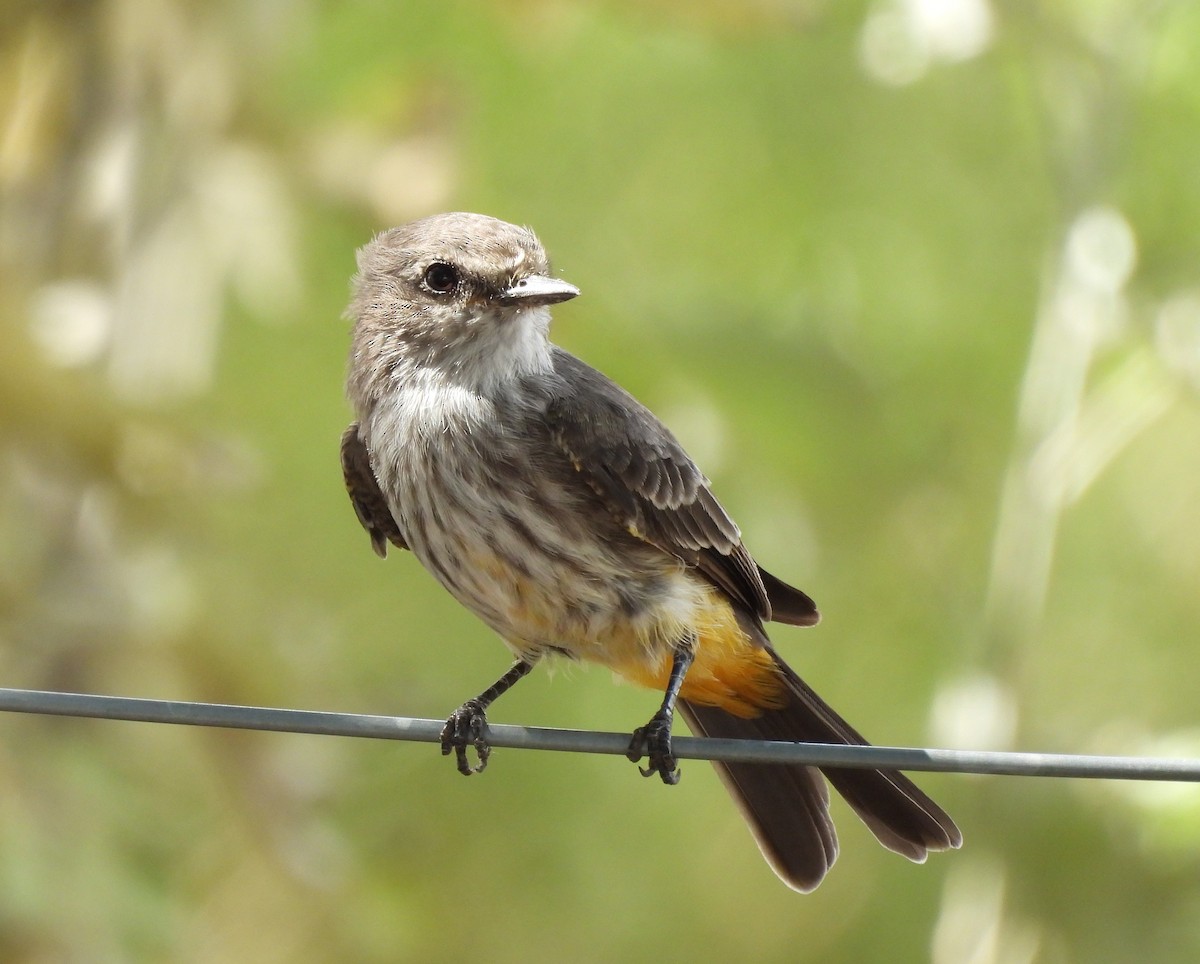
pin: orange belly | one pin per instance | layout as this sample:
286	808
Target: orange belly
730	671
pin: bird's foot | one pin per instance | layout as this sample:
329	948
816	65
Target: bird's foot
467	727
654	741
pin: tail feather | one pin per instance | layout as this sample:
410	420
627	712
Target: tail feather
787	807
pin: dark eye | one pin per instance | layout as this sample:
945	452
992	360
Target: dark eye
441	277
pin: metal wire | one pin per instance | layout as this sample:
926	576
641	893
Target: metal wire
586	741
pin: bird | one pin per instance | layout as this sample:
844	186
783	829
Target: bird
562	512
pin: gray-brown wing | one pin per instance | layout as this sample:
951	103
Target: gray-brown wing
647	480
363	488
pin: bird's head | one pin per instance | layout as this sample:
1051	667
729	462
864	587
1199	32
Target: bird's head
459	296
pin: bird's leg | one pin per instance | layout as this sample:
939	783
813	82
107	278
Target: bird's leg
467	725
654	739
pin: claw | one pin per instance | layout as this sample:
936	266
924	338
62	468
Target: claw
467	727
654	741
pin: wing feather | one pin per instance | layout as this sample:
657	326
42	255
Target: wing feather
365	495
647	480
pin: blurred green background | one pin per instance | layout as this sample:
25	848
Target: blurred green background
918	283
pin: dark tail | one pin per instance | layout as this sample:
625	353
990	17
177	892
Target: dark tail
787	807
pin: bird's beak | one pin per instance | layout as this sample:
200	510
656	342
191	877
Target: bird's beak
537	290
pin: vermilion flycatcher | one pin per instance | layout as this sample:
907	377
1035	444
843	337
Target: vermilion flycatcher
559	510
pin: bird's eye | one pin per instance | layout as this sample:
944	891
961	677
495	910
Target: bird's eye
440	277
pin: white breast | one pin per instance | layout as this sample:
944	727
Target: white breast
518	548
